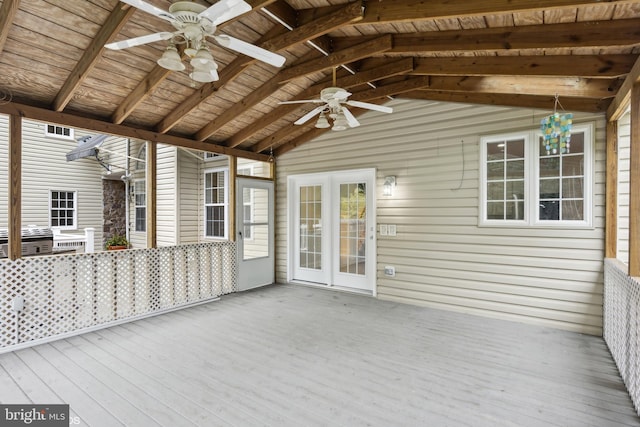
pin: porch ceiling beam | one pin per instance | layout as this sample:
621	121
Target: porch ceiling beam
363	50
544	102
158	74
601	34
378	12
96	125
8	11
382	91
592	66
92	53
528	85
263	92
378	72
623	97
349	14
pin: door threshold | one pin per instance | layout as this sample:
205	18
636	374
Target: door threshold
334	288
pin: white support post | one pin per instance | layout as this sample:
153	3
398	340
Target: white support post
89	234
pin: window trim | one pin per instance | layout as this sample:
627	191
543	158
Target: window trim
531	178
225	171
48	134
136	205
75	210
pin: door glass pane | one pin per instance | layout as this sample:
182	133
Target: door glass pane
353	219
310	227
255	243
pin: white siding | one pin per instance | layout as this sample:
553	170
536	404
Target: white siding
137	239
191	185
167	195
624	163
443	259
45	168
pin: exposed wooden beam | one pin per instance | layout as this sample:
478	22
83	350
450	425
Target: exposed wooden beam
621	32
593	66
351	13
611	218
108	31
354	53
143	90
528	85
96	125
8	11
634	184
623	96
157	75
15	187
262	93
379	72
544	102
408	10
151	173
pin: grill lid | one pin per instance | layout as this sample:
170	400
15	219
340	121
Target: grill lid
28	233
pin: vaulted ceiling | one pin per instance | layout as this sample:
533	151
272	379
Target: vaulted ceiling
54	67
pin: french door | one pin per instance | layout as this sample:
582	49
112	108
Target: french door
333	229
255	233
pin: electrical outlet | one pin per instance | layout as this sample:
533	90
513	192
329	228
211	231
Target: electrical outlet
384	230
392	229
389	271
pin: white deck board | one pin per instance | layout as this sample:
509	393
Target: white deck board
291	356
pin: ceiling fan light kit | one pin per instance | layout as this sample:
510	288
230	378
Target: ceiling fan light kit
194	23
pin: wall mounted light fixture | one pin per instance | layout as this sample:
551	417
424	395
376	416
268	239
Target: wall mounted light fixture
389	185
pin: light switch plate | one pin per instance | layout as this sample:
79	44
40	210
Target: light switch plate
392	229
384	230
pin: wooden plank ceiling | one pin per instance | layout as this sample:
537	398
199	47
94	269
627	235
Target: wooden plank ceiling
503	52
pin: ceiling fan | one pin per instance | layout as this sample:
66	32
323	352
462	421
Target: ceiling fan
194	23
334	102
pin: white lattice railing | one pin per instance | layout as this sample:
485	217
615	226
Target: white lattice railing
622	324
65	294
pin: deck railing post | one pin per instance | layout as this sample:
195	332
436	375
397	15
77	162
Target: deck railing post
89	235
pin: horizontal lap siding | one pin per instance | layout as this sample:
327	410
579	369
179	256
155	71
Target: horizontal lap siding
190	185
45	168
167	195
442	258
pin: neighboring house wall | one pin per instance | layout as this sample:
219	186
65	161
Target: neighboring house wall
137	239
45	168
114	210
443	259
624	152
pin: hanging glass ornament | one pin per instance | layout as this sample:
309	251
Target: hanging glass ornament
556	132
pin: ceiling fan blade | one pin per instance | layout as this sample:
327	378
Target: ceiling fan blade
144	6
368	106
224	10
351	119
302	101
250	50
309	115
137	41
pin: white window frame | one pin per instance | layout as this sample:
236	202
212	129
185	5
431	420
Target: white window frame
251	202
225	204
57	135
532	178
74	209
136	184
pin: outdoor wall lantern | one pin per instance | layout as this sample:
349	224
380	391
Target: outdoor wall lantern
389	185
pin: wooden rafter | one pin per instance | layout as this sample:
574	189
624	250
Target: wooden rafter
378	72
592	66
623	96
408	11
108	31
351	13
8	10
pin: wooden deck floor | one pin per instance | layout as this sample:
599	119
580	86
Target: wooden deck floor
298	356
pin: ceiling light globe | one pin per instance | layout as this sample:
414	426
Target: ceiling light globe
322	122
340	123
203	74
170	60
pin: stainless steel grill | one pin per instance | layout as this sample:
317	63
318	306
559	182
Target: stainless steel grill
35	241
